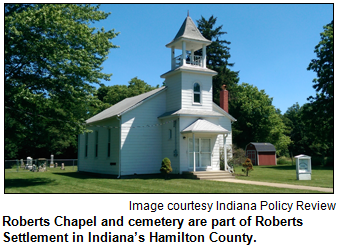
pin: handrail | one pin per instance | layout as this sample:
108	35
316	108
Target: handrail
197	61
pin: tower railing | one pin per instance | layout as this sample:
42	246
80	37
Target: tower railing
197	61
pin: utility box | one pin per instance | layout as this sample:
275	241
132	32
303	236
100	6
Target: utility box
303	167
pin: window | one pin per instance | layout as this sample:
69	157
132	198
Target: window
109	143
196	93
86	144
96	143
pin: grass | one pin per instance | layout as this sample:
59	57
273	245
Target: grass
68	181
286	173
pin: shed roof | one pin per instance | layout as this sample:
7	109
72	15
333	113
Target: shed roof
204	126
123	106
263	146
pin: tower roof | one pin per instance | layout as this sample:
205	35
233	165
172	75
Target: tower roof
188	31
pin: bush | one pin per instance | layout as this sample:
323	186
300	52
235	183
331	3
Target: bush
284	160
238	157
247	166
166	167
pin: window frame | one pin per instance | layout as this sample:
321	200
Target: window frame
96	143
86	145
109	144
197	93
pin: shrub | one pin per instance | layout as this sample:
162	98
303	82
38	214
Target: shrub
166	167
238	157
247	166
284	160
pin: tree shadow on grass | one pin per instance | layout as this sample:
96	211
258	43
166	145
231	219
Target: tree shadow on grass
20	182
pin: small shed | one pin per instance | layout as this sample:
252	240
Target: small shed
261	153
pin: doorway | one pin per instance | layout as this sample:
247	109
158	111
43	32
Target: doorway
202	152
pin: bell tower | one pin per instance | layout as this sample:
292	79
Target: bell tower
189	39
189	82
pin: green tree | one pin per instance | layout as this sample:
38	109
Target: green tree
257	119
111	95
319	112
297	131
53	59
217	56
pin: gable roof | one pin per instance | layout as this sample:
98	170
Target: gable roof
204	126
124	105
263	146
218	108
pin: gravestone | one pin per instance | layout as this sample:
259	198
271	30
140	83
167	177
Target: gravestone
42	168
62	166
22	163
56	165
29	164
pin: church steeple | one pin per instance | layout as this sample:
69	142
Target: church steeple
190	39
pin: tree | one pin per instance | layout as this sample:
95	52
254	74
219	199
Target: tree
52	60
296	129
257	119
319	112
111	95
218	56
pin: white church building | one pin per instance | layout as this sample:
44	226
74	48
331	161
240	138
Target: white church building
134	135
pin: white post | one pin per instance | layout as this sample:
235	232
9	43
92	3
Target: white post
192	57
204	56
183	53
52	156
172	58
193	152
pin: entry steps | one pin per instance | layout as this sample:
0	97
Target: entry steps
209	175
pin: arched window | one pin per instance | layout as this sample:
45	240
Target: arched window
196	93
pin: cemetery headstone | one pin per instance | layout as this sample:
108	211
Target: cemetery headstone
22	163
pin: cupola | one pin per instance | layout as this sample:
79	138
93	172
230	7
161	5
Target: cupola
189	39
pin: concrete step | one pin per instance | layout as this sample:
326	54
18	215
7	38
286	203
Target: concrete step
209	175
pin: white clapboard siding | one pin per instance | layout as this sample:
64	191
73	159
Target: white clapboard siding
188	81
141	151
102	163
226	123
168	143
173	99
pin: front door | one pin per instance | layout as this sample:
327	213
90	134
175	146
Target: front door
202	152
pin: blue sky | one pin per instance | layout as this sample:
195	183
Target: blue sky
271	44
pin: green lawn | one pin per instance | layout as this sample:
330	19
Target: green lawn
68	181
321	177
